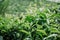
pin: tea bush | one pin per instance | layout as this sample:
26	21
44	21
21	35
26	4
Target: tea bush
35	27
36	24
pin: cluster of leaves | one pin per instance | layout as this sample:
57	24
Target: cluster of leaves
37	24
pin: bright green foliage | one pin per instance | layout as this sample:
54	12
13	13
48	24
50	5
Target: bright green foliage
36	24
